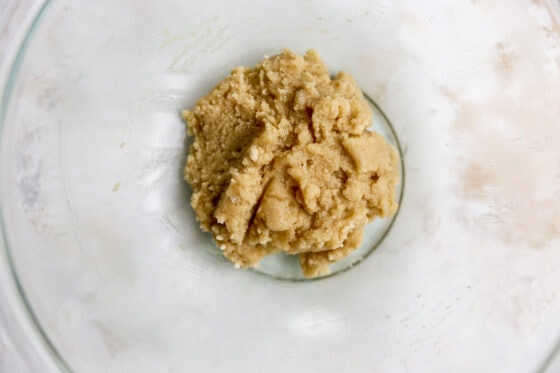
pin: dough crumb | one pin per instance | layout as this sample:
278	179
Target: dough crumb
282	162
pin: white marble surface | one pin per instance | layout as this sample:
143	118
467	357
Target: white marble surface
498	78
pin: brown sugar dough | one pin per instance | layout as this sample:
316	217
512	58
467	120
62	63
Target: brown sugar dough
282	162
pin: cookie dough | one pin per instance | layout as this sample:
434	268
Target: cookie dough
282	162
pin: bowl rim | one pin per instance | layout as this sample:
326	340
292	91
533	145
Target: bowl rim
28	320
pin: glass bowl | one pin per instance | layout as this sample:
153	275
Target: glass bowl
105	269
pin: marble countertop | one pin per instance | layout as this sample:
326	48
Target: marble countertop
15	349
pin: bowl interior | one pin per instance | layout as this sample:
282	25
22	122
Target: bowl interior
108	254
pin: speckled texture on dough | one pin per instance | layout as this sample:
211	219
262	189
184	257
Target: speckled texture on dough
282	161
